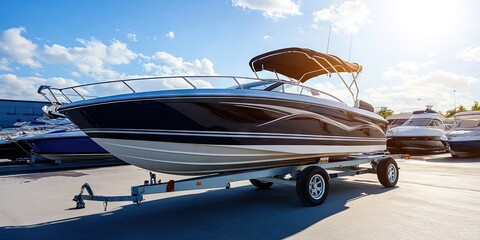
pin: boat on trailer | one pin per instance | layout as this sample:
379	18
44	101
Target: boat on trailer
249	123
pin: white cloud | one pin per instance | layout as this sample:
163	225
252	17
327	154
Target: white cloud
142	56
274	9
15	87
434	79
4	65
170	34
413	66
406	90
15	48
349	17
266	37
171	65
94	58
132	37
327	14
470	54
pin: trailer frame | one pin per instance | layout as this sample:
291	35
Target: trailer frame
308	188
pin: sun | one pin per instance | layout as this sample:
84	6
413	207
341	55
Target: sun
426	19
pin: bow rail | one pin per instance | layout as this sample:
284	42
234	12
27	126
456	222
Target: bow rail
81	92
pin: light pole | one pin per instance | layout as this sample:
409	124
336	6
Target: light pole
454	100
418	103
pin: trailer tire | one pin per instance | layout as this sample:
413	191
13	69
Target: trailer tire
387	172
261	184
312	185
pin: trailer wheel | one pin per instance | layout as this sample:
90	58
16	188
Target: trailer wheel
261	184
387	172
312	185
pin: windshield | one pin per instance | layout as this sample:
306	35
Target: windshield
468	123
260	85
397	122
417	122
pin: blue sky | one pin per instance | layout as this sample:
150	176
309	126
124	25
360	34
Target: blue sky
414	52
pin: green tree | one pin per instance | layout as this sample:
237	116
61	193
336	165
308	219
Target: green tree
452	112
475	106
384	112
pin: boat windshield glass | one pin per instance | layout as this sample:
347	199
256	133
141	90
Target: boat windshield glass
260	85
417	122
396	122
468	123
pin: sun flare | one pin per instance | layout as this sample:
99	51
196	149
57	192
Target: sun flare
426	19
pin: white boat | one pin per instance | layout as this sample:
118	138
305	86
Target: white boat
257	123
420	133
463	140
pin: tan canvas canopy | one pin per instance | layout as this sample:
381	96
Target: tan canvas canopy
302	63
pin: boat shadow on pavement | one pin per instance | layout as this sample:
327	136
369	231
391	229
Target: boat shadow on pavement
239	213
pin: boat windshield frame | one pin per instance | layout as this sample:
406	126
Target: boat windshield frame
54	95
318	64
471	116
421	120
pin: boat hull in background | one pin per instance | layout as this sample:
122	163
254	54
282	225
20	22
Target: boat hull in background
415	144
11	150
463	146
68	145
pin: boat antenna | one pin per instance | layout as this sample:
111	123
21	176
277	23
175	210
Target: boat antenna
351	41
328	40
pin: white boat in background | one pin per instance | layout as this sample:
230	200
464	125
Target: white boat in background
463	140
420	133
398	119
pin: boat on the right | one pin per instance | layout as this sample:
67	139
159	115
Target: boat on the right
420	133
463	140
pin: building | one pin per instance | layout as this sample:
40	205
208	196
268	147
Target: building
12	111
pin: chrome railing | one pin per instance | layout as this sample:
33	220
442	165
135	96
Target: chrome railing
82	92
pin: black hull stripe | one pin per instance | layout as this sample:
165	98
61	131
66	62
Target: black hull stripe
231	140
233	134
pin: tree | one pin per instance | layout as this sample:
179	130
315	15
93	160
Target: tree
475	106
452	112
384	112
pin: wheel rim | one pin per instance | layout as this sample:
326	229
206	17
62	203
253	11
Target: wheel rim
392	173
316	186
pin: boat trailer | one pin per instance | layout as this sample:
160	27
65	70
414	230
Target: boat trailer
311	181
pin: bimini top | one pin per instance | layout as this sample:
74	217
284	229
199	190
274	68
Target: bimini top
302	63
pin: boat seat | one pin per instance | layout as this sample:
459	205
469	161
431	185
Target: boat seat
364	105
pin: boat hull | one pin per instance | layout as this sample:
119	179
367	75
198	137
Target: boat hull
415	144
11	150
192	158
67	147
463	148
220	131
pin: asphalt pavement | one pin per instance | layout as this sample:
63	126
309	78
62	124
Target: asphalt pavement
437	197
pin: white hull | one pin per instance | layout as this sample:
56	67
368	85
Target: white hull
194	159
